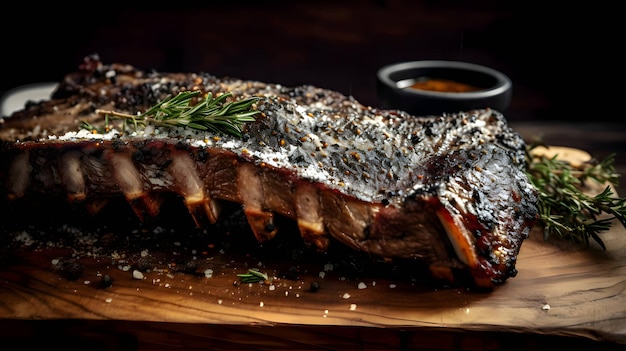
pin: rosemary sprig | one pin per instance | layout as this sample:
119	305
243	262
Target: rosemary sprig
253	276
564	209
184	110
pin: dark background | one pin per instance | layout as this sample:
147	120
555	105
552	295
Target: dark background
565	62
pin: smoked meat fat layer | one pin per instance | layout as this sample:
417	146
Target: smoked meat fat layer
449	191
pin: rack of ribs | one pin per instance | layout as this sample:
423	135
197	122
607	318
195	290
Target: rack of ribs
447	191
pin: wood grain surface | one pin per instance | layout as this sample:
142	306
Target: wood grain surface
563	291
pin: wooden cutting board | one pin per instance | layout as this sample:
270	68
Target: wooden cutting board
561	290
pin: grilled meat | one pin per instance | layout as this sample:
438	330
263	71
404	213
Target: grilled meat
449	191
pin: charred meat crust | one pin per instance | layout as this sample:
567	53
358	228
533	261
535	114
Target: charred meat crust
450	191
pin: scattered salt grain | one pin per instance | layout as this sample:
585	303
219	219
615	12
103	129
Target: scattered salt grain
322	275
545	307
272	287
108	300
24	238
208	273
362	286
392	286
328	267
346	296
137	274
261	304
353	307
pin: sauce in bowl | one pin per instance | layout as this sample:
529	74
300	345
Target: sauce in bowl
442	85
433	87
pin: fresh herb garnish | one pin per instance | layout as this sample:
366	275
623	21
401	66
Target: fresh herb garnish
564	208
185	110
253	276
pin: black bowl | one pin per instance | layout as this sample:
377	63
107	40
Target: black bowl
491	89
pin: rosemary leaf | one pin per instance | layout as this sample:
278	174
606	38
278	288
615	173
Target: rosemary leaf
215	114
565	210
253	276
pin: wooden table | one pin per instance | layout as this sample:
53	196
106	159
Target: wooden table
563	293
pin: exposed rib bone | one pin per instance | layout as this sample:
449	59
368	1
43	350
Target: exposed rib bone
251	190
130	183
309	215
18	175
72	175
190	186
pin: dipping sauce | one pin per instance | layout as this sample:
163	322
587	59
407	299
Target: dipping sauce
442	85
